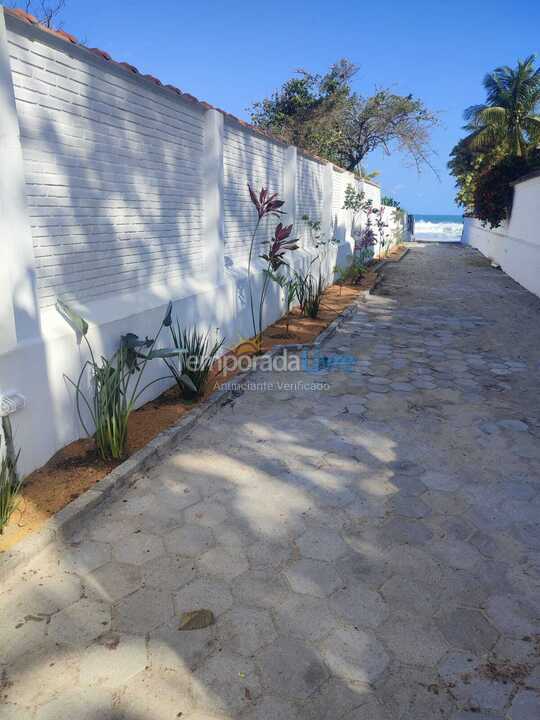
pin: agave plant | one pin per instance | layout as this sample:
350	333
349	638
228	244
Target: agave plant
114	391
10	482
195	361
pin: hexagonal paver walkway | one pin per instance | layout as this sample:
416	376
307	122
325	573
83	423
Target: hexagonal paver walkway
370	548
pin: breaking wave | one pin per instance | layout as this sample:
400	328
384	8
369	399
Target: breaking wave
428	230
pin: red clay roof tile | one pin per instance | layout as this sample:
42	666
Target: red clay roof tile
68	36
100	53
23	15
129	67
153	79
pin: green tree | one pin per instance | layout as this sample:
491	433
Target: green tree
307	110
322	114
467	165
509	117
387	120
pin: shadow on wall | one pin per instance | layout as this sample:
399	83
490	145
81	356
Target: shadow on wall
119	191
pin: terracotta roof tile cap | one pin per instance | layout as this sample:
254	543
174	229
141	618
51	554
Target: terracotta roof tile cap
23	15
153	79
101	53
67	36
129	67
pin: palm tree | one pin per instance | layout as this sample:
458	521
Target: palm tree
509	116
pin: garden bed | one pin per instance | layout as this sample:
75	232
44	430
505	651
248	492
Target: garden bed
77	467
395	254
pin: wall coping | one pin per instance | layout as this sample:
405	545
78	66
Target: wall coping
530	176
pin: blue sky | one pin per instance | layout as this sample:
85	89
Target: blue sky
232	53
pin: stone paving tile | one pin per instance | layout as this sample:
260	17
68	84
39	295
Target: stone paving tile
369	552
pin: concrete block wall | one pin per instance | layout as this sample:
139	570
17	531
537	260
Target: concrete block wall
515	244
118	195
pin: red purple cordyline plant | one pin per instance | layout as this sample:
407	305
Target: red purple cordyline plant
265	204
279	245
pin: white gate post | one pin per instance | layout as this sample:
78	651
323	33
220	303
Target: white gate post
19	310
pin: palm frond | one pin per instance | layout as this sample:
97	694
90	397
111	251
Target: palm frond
487	136
471	113
496	116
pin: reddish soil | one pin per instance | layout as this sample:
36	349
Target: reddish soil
395	254
77	467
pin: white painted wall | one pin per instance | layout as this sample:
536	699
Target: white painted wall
118	195
247	158
515	245
394	233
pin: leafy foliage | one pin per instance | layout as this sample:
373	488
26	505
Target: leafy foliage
351	273
195	359
301	280
356	201
390	202
501	144
278	246
323	115
113	395
308	110
314	289
494	191
265	204
509	116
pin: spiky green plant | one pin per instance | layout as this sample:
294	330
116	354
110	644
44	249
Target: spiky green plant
301	280
196	360
10	482
314	292
288	285
113	393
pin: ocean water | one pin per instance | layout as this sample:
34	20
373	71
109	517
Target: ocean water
439	228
